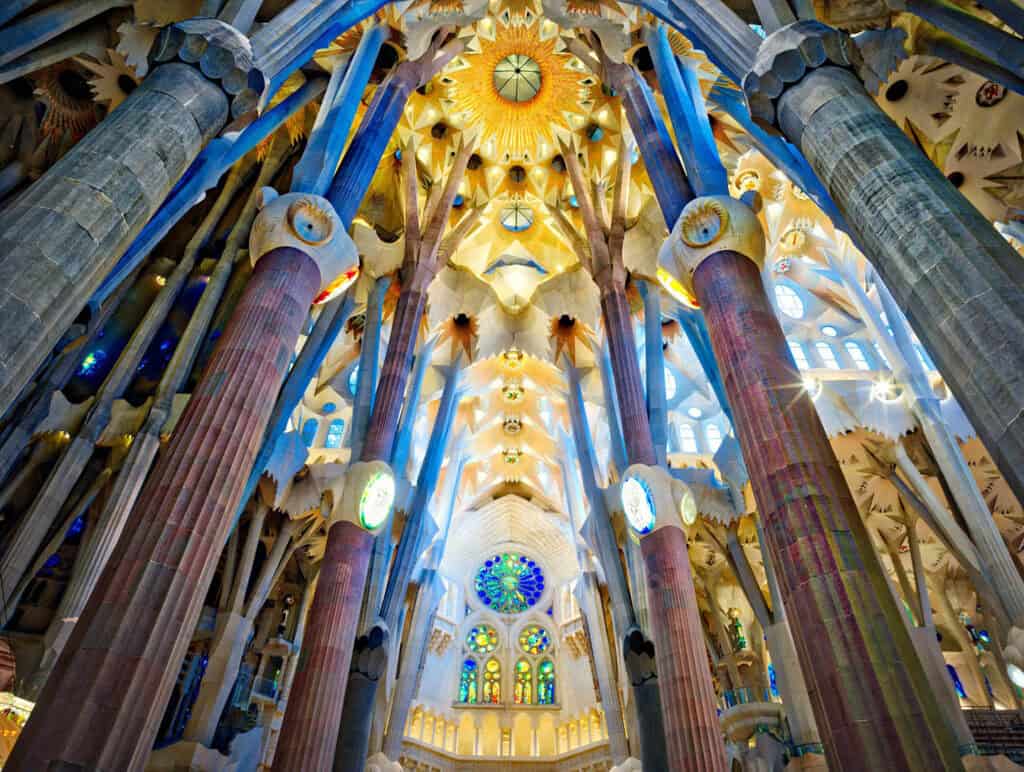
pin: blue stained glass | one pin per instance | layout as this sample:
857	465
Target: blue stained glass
509	583
309	429
335	433
772	684
92	361
957	684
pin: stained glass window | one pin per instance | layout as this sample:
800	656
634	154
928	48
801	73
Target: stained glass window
546	683
492	681
534	639
309	430
509	583
335	433
522	693
483	639
468	682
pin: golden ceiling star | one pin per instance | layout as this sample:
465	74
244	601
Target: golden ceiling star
519	86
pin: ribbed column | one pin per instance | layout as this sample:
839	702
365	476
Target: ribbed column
871	700
310	730
618	323
62	235
102	707
692	734
394	375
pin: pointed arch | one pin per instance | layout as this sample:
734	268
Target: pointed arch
546	683
492	681
469	681
522	690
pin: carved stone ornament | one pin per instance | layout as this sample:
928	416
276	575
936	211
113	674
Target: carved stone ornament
221	52
786	56
306	222
708	225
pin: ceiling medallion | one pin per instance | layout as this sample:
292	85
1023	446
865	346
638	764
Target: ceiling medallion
512	392
517	78
512	455
513	425
513	358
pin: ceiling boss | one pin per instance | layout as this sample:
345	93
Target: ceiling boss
519	85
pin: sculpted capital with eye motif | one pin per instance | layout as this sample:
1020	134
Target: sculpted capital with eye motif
706	226
308	223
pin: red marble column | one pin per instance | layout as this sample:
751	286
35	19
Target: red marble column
693	736
394	373
101	708
313	716
618	323
870	699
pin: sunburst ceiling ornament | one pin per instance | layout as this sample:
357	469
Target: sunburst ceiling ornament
519	85
517	78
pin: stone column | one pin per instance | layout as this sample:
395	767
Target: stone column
415	659
958	280
860	666
312	721
135	629
692	733
63	234
601	648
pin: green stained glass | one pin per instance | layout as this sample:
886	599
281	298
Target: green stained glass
546	683
522	693
468	682
534	639
509	583
482	639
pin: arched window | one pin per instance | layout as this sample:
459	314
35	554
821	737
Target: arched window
522	692
492	681
857	355
468	682
798	355
309	429
828	356
335	433
789	301
714	435
687	439
546	683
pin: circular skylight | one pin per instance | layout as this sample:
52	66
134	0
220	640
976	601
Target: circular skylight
517	78
517	217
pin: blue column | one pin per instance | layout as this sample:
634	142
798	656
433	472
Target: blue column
611	406
411	543
410	411
654	360
369	362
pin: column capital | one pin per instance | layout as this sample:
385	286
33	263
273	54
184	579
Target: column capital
706	226
218	51
308	223
652	499
786	56
364	496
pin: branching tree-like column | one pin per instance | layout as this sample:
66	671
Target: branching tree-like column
319	692
873	704
688	713
102	707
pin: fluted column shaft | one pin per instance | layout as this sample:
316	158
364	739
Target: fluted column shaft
311	723
871	700
618	323
63	234
102	707
692	734
394	374
427	599
957	279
